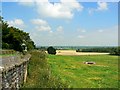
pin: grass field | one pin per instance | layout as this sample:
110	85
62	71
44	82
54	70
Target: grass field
72	70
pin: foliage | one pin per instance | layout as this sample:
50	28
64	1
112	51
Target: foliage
99	49
78	50
71	69
51	50
12	38
111	50
39	73
115	51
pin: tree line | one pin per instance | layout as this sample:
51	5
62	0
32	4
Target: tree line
111	50
13	38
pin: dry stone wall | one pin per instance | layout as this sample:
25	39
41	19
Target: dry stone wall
13	71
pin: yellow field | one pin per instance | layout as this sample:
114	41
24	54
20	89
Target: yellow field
73	52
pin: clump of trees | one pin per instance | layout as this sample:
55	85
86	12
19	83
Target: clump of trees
51	50
115	51
13	38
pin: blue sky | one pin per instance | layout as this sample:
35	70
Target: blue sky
66	23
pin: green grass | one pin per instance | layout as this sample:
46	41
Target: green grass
39	74
71	70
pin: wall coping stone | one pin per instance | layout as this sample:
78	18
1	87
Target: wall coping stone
10	62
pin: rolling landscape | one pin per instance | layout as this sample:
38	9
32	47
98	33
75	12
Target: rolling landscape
68	67
59	45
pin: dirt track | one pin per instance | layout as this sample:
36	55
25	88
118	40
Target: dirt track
73	52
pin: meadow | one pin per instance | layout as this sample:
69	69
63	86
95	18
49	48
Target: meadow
69	71
72	70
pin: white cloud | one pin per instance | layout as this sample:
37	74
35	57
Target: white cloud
18	23
43	28
41	25
101	6
96	37
60	29
39	22
109	37
58	10
62	10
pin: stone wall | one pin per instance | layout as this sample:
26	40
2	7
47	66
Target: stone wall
13	71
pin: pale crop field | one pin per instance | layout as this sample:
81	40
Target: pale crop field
73	52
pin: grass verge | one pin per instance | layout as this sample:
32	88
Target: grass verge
39	74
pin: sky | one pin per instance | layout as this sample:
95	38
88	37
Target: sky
65	23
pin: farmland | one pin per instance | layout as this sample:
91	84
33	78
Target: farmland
73	52
72	70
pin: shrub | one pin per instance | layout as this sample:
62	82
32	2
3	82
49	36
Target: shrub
78	50
51	50
5	45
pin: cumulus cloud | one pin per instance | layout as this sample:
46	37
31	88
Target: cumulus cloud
63	10
101	6
58	10
41	25
39	22
18	23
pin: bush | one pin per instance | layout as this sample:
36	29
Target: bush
78	50
5	45
51	50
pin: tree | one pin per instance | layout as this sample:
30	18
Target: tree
51	50
13	38
115	51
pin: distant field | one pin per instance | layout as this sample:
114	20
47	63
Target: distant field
73	52
73	71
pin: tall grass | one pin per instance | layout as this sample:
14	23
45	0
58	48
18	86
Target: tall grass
39	74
